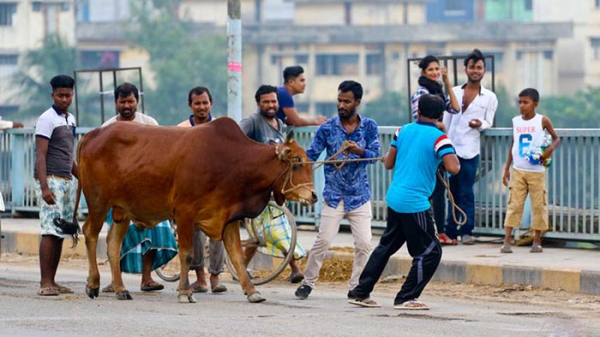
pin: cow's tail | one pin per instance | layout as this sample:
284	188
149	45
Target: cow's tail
78	196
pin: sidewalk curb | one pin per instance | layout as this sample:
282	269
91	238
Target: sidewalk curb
572	280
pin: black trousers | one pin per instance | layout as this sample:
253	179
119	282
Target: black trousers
417	230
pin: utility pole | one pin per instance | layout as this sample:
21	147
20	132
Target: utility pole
234	60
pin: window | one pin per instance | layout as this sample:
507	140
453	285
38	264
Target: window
548	54
597	3
498	57
301	59
326	109
337	64
275	59
8	64
595	44
100	59
519	55
6	110
302	107
528	5
64	7
36	6
374	64
455	8
7	13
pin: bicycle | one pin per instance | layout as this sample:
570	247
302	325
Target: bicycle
268	261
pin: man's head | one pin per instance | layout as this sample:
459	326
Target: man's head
349	96
431	106
528	101
293	78
200	102
62	91
126	100
475	66
266	100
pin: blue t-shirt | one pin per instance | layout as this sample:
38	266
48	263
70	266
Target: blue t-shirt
285	100
420	148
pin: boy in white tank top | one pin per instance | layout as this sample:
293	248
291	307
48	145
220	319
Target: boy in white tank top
529	130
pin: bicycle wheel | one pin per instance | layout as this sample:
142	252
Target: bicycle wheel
170	271
271	256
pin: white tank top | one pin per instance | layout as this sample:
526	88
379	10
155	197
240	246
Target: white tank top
527	135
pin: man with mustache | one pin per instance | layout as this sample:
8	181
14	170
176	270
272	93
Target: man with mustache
200	102
347	192
156	245
265	127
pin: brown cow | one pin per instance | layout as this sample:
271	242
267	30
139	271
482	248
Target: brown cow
210	176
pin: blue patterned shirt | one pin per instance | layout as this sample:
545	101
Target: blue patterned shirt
349	183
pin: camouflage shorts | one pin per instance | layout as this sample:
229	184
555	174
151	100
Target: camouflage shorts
64	191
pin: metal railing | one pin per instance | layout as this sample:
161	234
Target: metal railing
573	181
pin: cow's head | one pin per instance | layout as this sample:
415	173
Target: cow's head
296	182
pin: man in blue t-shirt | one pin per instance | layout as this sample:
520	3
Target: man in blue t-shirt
294	83
415	153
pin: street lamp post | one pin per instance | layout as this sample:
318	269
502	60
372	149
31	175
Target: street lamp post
234	60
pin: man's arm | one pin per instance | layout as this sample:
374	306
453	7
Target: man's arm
451	163
372	147
10	125
41	151
292	118
389	159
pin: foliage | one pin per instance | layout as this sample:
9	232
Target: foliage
390	109
180	57
577	111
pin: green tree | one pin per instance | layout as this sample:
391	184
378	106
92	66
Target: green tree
577	111
181	57
37	68
390	109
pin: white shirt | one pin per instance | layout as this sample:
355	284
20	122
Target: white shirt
466	139
527	135
139	118
5	124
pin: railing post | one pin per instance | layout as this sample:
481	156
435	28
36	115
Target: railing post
17	174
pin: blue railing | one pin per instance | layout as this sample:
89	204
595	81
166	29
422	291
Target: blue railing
573	181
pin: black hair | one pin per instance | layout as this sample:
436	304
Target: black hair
424	63
530	92
264	89
476	56
353	86
199	91
292	72
431	106
62	81
125	90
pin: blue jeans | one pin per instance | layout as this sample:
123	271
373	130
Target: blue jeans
438	204
461	186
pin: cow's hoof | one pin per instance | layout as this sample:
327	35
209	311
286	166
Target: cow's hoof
186	298
123	295
92	292
256	298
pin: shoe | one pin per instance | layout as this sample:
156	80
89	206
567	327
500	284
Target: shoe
48	291
365	302
506	249
65	290
296	277
303	291
535	248
196	288
152	286
468	240
351	295
446	241
108	289
411	305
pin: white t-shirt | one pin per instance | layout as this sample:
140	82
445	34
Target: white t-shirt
527	134
139	118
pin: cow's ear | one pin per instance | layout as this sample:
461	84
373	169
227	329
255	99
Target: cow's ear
290	136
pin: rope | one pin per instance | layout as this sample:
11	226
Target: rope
455	207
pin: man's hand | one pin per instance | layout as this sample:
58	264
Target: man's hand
441	126
17	125
354	148
48	196
475	123
506	177
321	119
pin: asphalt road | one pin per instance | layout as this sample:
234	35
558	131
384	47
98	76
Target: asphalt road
456	311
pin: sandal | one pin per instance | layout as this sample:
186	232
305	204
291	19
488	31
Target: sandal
535	248
505	249
218	288
196	288
411	305
108	289
365	302
152	286
446	241
48	291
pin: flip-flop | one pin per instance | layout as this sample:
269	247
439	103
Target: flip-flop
152	286
65	290
411	305
365	302
48	291
196	288
536	249
108	289
218	288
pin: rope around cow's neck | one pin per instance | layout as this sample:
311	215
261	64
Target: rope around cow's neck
339	163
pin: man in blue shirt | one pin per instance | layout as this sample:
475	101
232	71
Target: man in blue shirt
346	191
294	83
415	153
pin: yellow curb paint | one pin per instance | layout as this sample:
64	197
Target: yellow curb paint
28	243
569	280
484	274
